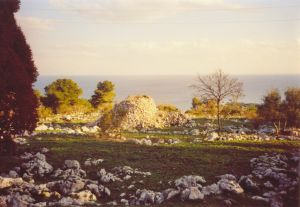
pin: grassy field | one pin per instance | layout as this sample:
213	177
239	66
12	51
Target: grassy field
166	162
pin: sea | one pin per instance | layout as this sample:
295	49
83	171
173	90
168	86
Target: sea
175	90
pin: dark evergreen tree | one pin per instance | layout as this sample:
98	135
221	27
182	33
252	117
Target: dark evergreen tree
17	74
103	97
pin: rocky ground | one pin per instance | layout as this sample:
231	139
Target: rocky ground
182	162
271	179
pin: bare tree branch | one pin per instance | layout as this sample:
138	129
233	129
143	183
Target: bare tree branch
219	87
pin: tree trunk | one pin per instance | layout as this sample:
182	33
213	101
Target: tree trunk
218	117
276	128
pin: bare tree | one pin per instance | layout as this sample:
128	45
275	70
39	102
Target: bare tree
219	87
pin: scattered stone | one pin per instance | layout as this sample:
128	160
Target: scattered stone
212	136
259	198
37	165
107	177
93	162
247	184
189	181
195	194
268	185
195	132
8	182
84	196
231	186
71	164
44	150
212	189
124	202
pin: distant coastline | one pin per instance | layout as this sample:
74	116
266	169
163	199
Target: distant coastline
174	89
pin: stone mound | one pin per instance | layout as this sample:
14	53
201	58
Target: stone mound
140	112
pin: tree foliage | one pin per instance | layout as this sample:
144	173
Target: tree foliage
271	110
167	108
196	103
281	113
291	107
18	72
103	96
61	94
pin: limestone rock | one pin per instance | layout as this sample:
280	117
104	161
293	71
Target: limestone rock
8	182
230	186
71	164
195	194
212	189
248	184
189	181
84	196
37	165
170	193
212	136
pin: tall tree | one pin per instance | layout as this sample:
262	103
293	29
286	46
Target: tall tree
18	72
271	109
219	87
103	96
291	107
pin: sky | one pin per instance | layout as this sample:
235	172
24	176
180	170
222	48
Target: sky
162	37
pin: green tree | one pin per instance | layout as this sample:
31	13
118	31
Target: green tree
291	107
62	93
271	109
103	97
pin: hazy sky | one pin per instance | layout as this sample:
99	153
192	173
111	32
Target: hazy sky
125	37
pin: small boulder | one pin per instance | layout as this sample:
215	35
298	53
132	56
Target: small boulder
71	164
230	186
84	196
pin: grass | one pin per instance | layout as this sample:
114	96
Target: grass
166	163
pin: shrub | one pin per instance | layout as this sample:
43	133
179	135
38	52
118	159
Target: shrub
167	108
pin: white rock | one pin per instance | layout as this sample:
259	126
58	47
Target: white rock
212	136
84	196
230	186
8	182
195	194
42	127
71	164
195	132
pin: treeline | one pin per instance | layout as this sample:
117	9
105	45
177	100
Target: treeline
63	96
281	113
274	110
